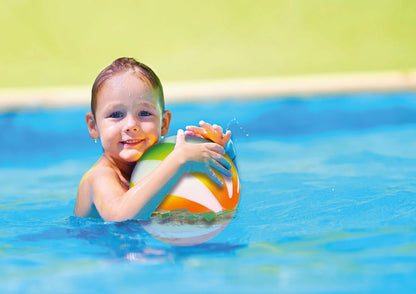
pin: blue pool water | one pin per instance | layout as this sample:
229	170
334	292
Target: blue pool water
328	204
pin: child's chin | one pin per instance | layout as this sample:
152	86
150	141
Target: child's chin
131	156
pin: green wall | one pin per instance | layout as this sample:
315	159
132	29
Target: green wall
47	43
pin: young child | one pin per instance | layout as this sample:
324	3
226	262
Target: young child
128	115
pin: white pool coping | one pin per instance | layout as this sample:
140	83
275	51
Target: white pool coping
211	90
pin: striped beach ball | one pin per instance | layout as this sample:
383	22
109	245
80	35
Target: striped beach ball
196	209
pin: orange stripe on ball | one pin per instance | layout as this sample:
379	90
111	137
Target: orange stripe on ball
172	202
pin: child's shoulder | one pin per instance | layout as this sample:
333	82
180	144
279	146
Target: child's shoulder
93	181
98	173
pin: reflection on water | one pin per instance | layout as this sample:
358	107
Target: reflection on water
123	240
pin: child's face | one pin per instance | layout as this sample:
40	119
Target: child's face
128	117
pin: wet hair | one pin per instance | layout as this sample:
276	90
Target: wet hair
122	65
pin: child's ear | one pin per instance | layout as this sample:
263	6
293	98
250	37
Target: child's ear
92	126
167	115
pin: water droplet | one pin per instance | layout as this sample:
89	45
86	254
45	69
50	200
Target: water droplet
237	129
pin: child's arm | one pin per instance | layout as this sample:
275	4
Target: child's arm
114	203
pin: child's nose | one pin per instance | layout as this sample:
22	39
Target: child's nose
132	123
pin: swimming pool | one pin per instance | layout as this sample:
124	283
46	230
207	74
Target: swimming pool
327	204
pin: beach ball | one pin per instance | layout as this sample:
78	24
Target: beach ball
196	209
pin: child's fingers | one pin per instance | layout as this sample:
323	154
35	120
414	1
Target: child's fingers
196	130
180	137
221	165
192	128
217	127
215	147
190	133
214	132
227	136
210	132
211	174
222	161
214	129
207	127
218	167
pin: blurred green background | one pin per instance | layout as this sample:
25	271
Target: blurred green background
54	43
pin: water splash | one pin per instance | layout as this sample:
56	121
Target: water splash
237	129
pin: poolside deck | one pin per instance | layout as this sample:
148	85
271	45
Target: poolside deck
245	88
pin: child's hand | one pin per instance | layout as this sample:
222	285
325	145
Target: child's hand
205	158
209	132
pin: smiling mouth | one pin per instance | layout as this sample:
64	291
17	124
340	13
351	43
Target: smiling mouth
131	142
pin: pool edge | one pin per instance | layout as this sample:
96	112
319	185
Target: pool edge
241	88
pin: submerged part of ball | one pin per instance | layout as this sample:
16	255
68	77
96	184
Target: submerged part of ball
196	209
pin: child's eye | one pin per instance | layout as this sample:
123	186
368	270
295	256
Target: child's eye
144	113
116	115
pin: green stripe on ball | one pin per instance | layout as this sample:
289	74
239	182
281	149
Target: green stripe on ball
158	151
